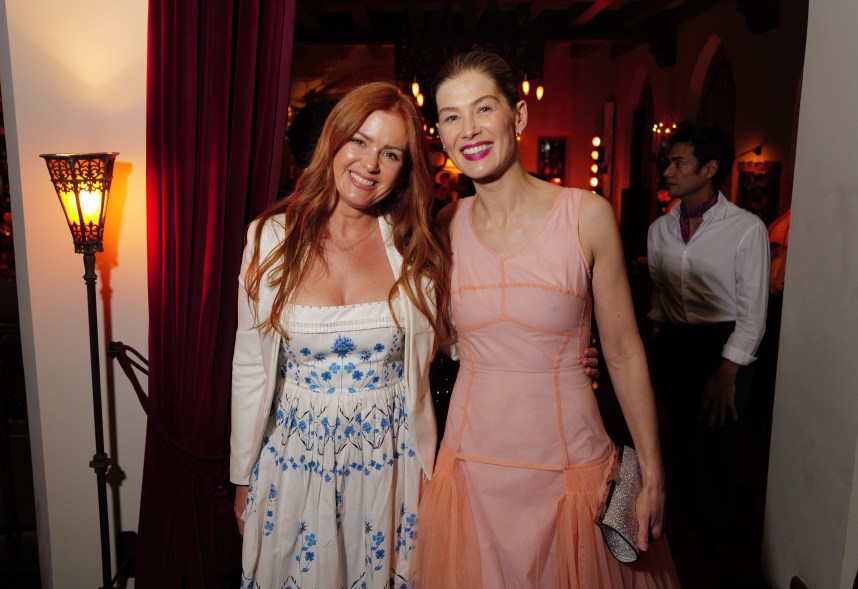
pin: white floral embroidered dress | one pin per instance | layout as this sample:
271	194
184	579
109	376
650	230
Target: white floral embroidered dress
332	500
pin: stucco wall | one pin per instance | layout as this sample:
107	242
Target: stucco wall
811	527
73	77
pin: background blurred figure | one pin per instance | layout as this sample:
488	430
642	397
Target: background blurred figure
709	264
442	194
464	187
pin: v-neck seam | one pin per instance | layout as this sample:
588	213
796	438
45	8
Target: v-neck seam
528	243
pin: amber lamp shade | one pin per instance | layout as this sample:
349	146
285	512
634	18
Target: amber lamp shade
82	182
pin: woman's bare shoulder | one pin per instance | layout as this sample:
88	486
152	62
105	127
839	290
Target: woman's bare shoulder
595	209
597	224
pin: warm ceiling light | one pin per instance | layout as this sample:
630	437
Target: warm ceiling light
415	87
525	87
659	128
597	141
540	91
419	99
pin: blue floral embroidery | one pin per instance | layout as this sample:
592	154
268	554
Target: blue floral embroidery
307	428
405	532
360	370
307	542
374	551
343	346
268	526
339	498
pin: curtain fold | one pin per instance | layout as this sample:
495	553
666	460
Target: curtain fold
217	97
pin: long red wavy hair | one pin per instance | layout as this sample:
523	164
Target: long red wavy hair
306	212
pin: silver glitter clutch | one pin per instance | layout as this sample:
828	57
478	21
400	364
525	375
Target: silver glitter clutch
617	519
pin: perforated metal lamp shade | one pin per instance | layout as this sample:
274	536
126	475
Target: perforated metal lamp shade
82	182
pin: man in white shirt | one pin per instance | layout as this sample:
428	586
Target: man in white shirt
709	264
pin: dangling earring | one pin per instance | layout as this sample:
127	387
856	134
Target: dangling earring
444	148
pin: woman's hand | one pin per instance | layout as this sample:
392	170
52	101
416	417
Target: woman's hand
590	362
239	505
650	514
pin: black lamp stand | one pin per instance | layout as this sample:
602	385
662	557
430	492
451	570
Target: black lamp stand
100	461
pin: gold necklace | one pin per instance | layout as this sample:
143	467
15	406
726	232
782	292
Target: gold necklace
349	248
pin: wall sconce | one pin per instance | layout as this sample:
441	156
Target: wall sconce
82	182
756	150
525	87
540	91
597	168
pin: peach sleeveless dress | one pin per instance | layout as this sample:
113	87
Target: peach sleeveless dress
524	463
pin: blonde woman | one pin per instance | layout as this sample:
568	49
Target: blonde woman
525	460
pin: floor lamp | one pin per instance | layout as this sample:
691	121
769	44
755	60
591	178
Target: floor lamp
82	182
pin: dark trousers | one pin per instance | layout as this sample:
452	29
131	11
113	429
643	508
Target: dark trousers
700	460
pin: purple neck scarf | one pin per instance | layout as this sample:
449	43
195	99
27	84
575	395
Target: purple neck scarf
695	213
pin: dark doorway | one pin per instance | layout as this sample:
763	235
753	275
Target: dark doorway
638	198
19	564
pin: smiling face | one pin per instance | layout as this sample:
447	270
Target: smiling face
368	166
477	125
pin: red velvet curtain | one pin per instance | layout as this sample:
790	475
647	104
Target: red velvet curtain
217	96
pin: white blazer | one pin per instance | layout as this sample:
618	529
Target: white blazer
254	364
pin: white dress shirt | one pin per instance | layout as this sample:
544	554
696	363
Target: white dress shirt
721	274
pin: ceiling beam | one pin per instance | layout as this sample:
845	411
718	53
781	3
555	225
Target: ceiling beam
589	14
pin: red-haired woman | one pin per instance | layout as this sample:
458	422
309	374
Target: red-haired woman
342	301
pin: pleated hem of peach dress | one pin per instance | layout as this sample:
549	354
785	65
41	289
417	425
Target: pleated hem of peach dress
448	550
583	558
